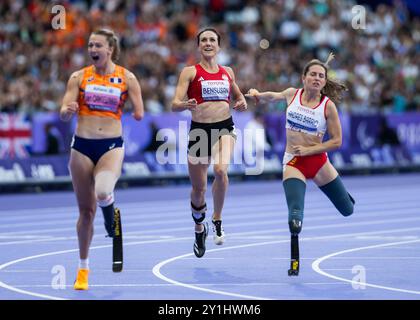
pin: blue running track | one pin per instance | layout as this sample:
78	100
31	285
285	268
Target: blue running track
373	254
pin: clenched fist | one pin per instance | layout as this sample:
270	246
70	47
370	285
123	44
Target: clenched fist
68	110
191	104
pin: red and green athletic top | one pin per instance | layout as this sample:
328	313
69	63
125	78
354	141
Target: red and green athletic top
208	86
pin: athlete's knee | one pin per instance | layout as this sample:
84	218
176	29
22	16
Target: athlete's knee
103	192
339	196
86	214
220	172
102	196
105	199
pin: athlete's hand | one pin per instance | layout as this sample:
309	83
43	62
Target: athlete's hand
72	107
69	110
137	115
191	104
240	105
302	151
252	93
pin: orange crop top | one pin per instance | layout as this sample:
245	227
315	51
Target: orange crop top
102	95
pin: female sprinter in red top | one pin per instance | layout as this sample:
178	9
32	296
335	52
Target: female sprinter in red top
206	90
310	113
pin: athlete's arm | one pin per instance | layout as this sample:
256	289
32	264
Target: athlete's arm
238	97
181	101
333	127
70	106
134	93
334	132
271	95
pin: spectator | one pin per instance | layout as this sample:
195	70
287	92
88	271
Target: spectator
37	60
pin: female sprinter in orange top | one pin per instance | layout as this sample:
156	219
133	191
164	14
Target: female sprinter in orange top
205	89
96	94
310	113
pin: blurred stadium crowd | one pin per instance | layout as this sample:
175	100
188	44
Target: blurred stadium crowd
379	63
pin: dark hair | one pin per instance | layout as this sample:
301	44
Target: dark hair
208	29
333	88
113	41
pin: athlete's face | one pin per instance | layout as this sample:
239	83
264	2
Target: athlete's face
315	78
208	44
99	50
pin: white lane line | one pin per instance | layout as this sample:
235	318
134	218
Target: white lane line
157	273
316	267
240	234
137	213
25	292
374	258
340	269
13	288
97	237
135	285
248	212
264	222
157	268
235	204
48	271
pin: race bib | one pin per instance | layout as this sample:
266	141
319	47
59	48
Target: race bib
215	89
298	121
102	98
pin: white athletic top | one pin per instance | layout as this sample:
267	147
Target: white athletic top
304	119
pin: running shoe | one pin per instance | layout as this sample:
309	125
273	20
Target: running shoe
200	241
219	234
81	282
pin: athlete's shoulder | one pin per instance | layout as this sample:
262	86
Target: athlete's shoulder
330	103
128	74
191	68
229	71
330	109
77	77
290	92
189	72
78	73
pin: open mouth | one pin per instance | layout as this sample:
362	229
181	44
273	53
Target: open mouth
95	57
